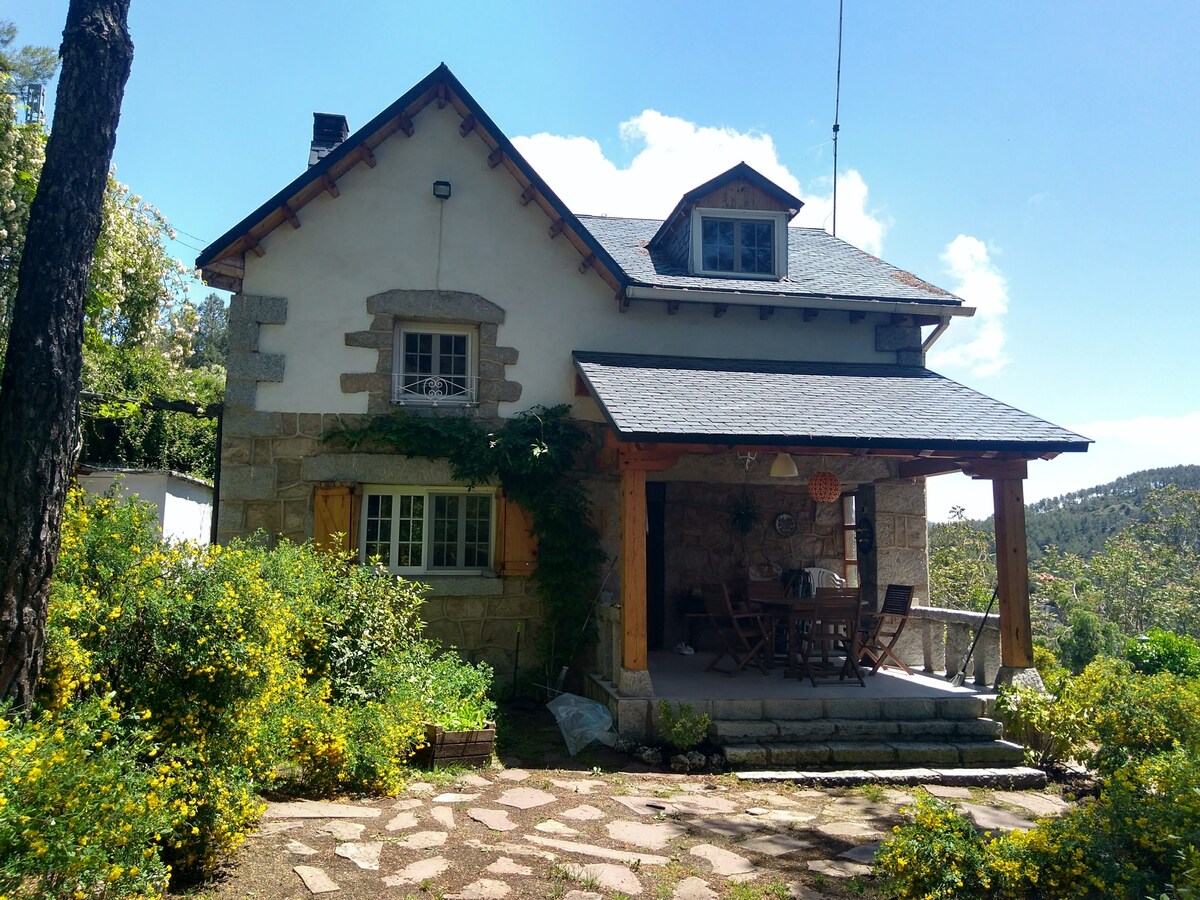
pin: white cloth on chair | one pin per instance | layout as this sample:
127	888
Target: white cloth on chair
820	578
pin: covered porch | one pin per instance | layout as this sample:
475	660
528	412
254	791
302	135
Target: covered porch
680	427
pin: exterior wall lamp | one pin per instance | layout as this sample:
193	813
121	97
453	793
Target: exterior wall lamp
441	190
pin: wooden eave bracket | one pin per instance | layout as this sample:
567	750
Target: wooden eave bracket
367	156
809	314
331	187
719	309
765	312
622	301
528	194
588	262
441	95
556	228
857	315
405	123
467	126
252	244
495	158
672	307
290	215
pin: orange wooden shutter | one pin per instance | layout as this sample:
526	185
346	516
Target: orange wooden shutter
335	525
517	547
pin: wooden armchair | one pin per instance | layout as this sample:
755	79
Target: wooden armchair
744	634
882	635
833	630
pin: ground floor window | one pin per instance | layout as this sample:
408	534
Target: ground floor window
413	530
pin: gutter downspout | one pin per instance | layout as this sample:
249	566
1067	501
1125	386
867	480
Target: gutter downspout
937	333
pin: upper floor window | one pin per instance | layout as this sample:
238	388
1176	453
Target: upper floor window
739	242
435	364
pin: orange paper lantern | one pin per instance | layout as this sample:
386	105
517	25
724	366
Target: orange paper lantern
824	487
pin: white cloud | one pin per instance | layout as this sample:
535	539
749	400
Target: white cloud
671	157
975	344
1123	446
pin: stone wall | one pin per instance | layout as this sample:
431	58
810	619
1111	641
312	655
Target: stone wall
900	556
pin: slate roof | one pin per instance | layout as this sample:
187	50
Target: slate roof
691	400
819	265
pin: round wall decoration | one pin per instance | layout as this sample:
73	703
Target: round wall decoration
785	524
824	487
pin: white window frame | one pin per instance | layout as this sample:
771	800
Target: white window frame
427	493
778	219
471	395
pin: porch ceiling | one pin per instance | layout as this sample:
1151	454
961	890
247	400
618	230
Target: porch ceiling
686	400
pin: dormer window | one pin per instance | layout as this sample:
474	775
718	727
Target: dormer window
739	243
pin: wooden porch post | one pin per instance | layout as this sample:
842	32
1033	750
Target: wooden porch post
1012	574
633	566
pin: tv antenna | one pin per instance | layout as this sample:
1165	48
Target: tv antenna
837	105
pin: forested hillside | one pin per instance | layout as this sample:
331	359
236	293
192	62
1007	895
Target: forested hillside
1080	522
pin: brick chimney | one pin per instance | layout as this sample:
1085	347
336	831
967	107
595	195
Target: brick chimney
329	130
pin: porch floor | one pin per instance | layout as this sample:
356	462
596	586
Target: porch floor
678	677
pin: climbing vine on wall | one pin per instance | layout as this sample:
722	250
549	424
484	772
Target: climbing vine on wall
532	457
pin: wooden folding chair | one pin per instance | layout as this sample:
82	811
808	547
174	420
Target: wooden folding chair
880	642
743	634
833	630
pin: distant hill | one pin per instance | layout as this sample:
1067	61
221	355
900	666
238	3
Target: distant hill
1080	522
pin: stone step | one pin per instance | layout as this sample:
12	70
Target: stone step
740	731
873	754
964	706
1015	778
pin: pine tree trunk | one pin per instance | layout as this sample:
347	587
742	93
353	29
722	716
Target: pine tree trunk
39	394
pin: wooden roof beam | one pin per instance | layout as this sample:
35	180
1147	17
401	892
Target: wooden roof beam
467	126
252	244
290	215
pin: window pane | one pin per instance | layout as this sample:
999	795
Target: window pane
756	247
377	542
443	547
477	528
418	361
452	363
410	529
717	244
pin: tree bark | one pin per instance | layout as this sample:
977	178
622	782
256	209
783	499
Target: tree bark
39	393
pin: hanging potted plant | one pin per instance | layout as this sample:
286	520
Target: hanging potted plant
743	514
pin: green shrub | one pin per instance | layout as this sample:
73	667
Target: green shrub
1104	717
1127	842
1165	651
245	668
683	729
79	815
1085	638
936	854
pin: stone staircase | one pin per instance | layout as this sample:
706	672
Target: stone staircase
841	732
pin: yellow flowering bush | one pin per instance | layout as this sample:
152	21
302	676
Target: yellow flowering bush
243	668
79	815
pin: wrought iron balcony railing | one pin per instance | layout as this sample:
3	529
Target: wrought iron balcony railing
435	390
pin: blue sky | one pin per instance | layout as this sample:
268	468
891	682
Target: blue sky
1040	159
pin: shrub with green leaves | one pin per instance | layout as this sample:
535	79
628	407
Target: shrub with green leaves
685	728
1165	651
244	667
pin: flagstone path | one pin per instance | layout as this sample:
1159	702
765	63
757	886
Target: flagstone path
515	832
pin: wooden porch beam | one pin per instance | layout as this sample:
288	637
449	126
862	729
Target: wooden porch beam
918	468
633	568
1012	574
992	469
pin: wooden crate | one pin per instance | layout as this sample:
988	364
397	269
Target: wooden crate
457	748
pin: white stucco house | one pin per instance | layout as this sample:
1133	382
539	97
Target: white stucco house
184	503
421	263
